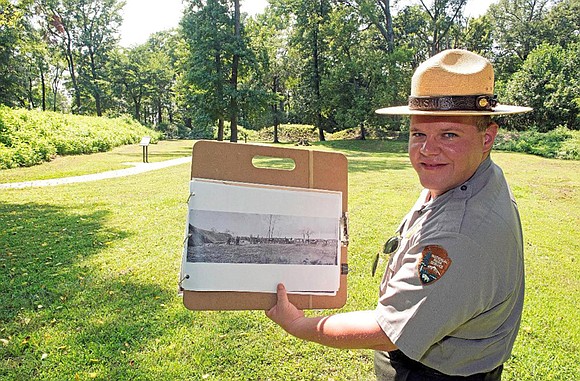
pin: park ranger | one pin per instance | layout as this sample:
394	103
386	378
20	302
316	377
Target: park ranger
451	297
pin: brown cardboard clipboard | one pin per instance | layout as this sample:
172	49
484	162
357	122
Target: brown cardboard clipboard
313	169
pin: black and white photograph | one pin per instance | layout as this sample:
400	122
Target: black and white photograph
226	237
243	237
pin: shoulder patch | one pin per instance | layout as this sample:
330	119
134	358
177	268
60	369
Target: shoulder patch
434	263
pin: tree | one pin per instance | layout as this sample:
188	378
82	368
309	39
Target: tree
34	69
126	70
215	40
517	26
357	66
477	36
161	61
272	70
310	42
143	79
59	24
12	23
562	24
98	22
378	13
205	28
548	81
86	31
443	16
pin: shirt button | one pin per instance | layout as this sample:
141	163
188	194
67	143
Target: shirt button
464	187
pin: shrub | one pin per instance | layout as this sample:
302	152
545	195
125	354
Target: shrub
290	133
371	132
244	134
560	143
32	137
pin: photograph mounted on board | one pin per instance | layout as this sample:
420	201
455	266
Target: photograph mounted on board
248	237
228	237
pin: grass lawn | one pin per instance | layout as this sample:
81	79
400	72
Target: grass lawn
88	274
119	158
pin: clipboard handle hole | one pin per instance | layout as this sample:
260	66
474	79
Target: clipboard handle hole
271	162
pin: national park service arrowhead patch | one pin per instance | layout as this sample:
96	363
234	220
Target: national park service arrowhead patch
434	263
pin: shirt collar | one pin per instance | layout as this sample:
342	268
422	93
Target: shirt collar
465	190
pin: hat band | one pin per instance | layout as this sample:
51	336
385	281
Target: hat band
457	102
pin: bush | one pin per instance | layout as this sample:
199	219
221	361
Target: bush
548	82
290	133
169	130
560	143
244	134
371	132
32	137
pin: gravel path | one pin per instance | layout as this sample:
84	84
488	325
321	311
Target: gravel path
138	168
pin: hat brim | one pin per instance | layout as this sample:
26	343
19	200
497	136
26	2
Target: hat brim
499	110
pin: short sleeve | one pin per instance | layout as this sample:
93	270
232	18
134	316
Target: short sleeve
415	314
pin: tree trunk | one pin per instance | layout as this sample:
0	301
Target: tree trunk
387	30
95	84
317	80
159	112
220	136
275	110
43	88
72	72
234	78
137	109
54	87
30	95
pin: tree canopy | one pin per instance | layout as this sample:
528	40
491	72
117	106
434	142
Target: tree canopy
327	63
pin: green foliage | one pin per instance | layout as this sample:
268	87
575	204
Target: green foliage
120	157
517	30
214	50
32	137
370	132
562	23
12	43
290	133
244	134
86	46
144	79
560	143
301	133
548	81
326	63
478	35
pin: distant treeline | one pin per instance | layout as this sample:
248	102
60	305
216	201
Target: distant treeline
326	63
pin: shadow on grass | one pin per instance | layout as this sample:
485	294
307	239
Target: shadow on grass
59	314
42	244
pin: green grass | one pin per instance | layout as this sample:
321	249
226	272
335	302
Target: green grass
89	275
117	158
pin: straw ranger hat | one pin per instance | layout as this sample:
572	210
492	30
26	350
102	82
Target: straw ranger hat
453	82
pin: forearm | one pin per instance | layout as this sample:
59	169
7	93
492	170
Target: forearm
353	330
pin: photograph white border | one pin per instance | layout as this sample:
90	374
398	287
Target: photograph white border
227	196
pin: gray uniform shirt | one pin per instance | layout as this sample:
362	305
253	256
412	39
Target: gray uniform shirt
452	295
